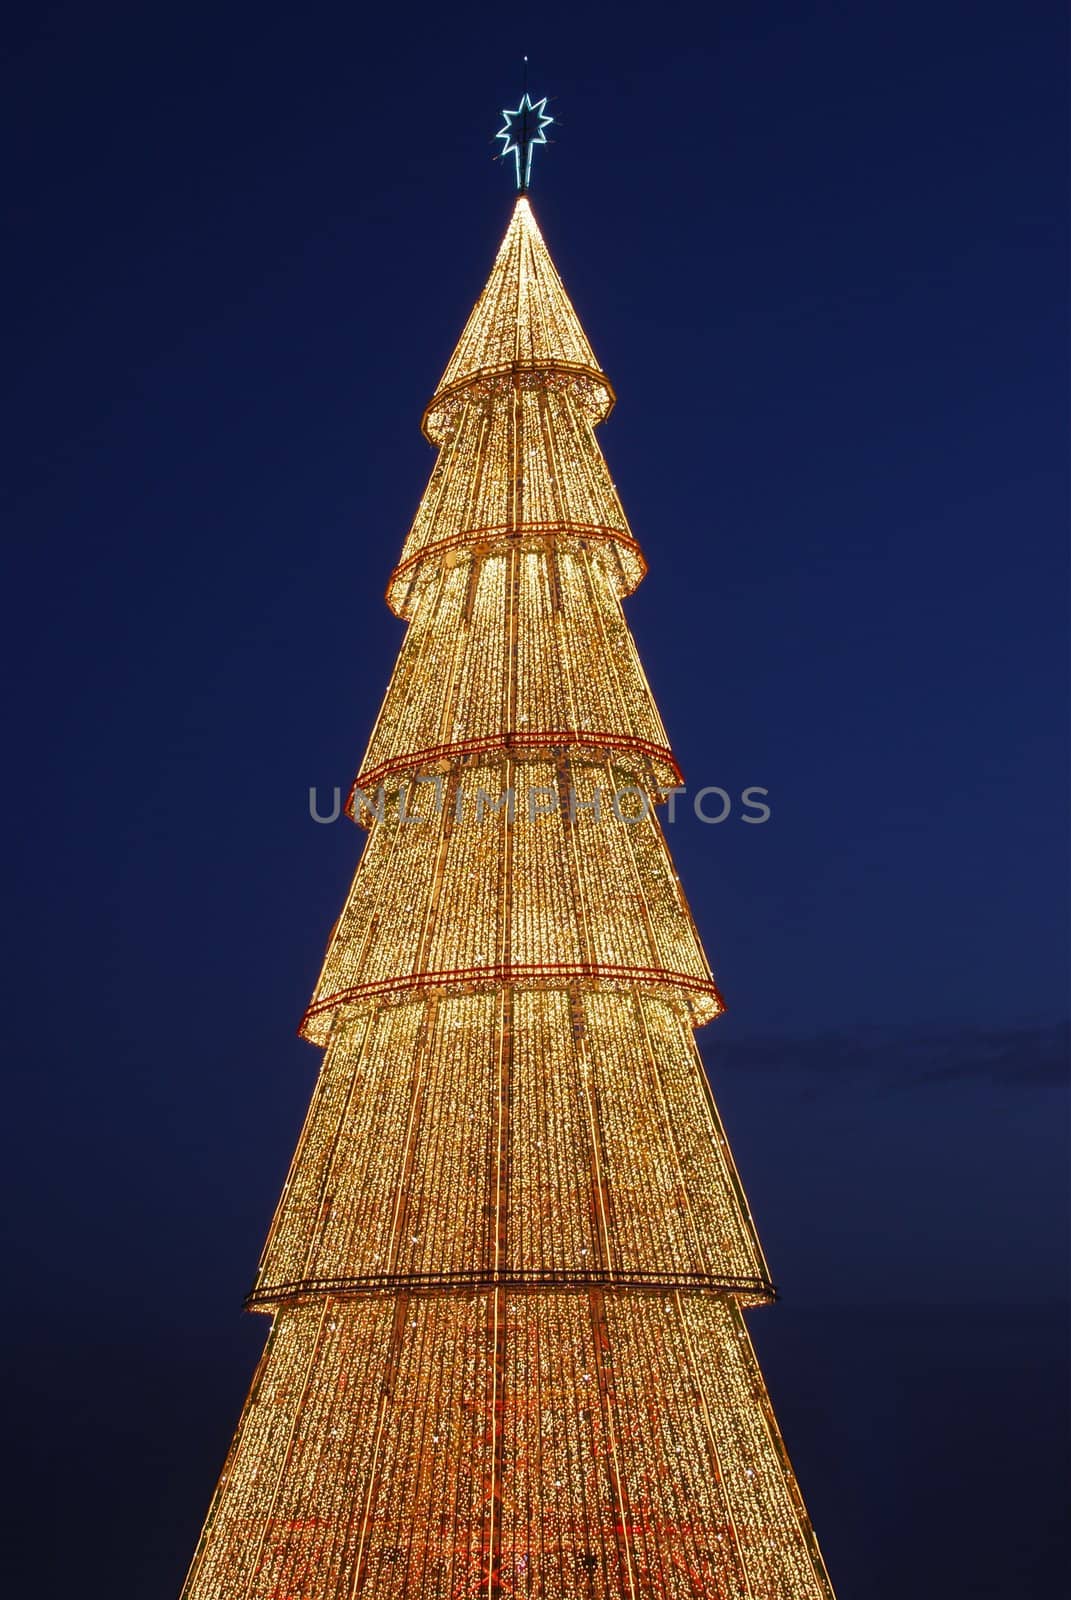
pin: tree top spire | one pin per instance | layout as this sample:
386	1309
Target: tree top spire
523	321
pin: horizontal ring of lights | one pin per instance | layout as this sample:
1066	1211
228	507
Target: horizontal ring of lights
505	375
753	1291
504	536
703	993
512	744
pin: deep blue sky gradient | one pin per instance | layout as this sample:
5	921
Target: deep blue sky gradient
821	253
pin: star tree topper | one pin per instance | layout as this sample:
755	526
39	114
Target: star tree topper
521	131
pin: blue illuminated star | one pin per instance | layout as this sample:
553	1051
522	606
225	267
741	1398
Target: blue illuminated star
520	133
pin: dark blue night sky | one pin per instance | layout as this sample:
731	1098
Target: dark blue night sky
820	251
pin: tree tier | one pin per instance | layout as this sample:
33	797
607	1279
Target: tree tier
523	650
520	460
522	320
523	1136
582	1444
507	874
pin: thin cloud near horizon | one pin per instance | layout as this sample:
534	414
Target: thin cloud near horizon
1024	1055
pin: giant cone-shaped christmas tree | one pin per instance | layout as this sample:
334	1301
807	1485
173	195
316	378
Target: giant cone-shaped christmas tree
506	1273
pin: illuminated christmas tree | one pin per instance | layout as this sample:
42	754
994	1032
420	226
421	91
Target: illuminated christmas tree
506	1273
